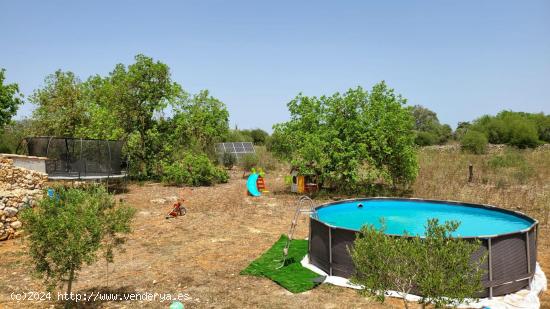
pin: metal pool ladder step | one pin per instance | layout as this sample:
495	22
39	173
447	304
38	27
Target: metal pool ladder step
305	206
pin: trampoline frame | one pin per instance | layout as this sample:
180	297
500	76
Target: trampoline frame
81	173
510	262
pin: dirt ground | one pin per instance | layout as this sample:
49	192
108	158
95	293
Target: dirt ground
199	255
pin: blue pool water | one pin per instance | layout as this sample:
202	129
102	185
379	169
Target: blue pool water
411	216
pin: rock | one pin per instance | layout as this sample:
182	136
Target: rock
158	201
172	198
10	211
19	188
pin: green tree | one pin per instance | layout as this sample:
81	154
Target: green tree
59	107
137	93
201	121
259	136
424	119
13	134
68	230
102	122
543	126
352	139
237	135
461	129
517	129
278	143
10	99
523	134
256	136
429	130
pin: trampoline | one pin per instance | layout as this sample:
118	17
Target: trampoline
508	238
77	158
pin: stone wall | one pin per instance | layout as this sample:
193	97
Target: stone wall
19	188
29	162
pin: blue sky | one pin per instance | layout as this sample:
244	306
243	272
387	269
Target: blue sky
461	59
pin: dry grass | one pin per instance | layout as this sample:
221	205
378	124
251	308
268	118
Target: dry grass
202	253
523	186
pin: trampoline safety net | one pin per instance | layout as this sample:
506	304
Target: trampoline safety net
77	158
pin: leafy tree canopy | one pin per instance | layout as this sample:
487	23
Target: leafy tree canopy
67	231
130	104
201	120
428	128
59	107
350	139
518	129
10	99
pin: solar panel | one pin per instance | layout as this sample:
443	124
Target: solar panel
238	149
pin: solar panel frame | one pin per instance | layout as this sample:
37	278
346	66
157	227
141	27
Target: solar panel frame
238	149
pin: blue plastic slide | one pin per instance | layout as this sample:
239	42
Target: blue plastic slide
252	186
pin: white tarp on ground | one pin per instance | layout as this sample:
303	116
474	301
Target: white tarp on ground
524	299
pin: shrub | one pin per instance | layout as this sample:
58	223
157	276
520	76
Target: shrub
385	263
66	232
437	266
266	160
523	135
523	173
447	275
259	136
5	148
238	136
474	142
430	130
12	135
511	164
425	139
193	170
518	129
249	161
228	159
508	159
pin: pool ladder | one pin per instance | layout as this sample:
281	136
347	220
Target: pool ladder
305	206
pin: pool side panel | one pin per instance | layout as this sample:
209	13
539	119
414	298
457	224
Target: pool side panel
509	269
342	242
319	245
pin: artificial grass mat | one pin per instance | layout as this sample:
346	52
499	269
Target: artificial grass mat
293	276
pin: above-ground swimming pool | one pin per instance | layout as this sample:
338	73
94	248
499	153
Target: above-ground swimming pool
508	238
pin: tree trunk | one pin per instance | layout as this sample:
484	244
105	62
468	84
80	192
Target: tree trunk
69	287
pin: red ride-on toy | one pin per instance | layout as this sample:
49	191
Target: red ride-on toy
177	209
